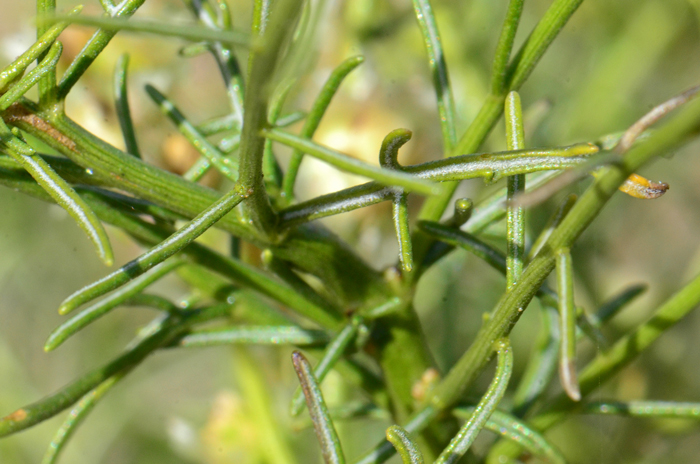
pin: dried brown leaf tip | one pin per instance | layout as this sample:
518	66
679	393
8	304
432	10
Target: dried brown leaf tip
639	187
16	416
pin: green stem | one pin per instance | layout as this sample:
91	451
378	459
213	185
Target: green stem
262	66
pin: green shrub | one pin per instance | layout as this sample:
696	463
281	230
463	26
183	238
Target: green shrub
409	342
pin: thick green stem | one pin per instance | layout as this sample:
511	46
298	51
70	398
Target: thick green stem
258	210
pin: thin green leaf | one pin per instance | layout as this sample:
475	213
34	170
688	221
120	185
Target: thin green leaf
92	48
271	168
60	191
547	29
567	325
176	242
505	46
512	428
284	271
313	119
488	403
153	301
47	81
384	450
519	70
489	165
655	409
438	70
51	405
219	18
515	216
102	307
47	65
237	271
167	29
353	165
108	6
14	70
611	307
323	425
333	352
552	224
407	449
218	124
121	103
459	238
226	166
77	415
388	159
262	335
403	233
585	323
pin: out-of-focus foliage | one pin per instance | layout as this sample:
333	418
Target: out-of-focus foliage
612	63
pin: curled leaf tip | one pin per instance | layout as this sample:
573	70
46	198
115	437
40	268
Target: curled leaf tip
389	153
639	187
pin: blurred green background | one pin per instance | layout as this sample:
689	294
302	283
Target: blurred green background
611	64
